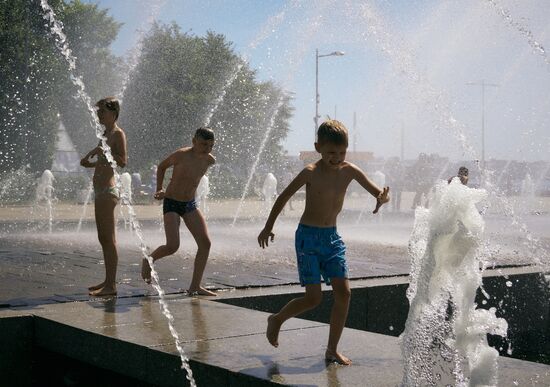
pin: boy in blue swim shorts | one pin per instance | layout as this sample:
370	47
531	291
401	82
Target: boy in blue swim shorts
319	248
189	165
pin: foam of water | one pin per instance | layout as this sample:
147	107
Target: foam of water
444	341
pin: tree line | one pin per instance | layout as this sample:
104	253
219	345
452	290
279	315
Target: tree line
174	88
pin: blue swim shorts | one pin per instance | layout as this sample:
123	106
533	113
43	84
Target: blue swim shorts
320	252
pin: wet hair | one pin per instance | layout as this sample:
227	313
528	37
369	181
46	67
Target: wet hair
111	103
462	171
332	131
204	133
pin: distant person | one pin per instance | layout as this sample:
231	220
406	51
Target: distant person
106	193
422	180
189	166
395	179
136	184
319	248
462	175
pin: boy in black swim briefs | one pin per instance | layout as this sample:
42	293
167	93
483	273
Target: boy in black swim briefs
189	165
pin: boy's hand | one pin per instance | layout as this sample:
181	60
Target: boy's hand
263	238
383	197
159	195
85	161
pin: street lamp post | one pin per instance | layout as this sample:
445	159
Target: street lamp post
317	56
483	85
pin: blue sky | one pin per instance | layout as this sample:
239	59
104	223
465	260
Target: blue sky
405	69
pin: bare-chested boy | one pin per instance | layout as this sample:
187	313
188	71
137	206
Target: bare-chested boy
106	193
189	164
319	248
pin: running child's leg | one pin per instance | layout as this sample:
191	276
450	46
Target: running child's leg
197	226
310	300
338	316
172	231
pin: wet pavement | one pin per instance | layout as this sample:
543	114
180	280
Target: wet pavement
225	343
40	267
41	274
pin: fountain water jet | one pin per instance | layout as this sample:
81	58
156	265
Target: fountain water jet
203	190
269	189
44	193
257	160
523	30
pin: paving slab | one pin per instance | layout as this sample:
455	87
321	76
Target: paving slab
131	333
36	264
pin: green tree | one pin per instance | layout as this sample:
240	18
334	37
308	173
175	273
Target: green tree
35	83
27	113
179	82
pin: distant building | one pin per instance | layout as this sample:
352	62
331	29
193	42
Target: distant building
358	158
66	158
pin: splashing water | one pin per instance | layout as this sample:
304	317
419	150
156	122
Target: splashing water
9	183
269	27
154	8
444	341
56	28
44	197
523	30
403	62
221	96
257	160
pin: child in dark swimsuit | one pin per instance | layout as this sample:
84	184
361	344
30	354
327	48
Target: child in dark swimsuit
189	165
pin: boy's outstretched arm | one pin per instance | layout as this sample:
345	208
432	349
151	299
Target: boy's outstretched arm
382	195
278	206
161	170
382	198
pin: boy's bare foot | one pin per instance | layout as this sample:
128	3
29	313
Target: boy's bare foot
104	292
96	287
336	357
201	292
146	271
272	333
